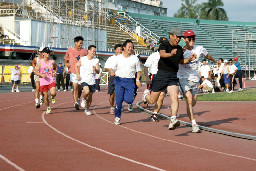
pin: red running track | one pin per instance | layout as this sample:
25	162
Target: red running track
70	140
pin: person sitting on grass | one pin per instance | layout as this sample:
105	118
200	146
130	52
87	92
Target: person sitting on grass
206	85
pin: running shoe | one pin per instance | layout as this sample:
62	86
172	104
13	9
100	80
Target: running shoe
77	106
12	90
112	111
52	99
17	90
87	112
130	109
117	121
37	103
195	129
173	124
154	118
83	103
146	92
48	111
41	101
240	89
33	90
65	90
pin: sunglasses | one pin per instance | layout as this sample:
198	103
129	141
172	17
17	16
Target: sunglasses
191	38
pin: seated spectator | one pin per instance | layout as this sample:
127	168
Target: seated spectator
206	85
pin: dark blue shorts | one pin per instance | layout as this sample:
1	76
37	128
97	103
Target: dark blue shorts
163	79
17	82
111	85
91	87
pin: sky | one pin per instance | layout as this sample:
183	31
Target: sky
237	10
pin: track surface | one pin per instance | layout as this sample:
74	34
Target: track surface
70	140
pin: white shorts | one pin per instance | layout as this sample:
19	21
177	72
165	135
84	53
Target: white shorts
73	79
187	85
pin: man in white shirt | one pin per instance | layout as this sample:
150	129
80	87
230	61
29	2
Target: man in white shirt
206	85
126	66
88	65
232	72
188	74
205	70
111	85
150	69
16	78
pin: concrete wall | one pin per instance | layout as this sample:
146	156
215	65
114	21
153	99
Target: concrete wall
8	23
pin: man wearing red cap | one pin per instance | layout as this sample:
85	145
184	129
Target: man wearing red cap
239	73
188	74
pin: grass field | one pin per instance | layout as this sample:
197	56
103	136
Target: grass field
246	95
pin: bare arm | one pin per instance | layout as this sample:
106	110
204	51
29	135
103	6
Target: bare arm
55	68
163	53
138	79
210	58
146	75
187	60
97	68
78	65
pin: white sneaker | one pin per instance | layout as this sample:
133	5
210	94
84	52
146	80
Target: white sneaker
33	90
227	90
195	129
41	101
145	93
65	90
87	112
17	90
12	90
117	121
37	103
231	91
173	124
83	103
240	89
130	107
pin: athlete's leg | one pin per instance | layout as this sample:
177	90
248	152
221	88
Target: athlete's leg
174	91
189	102
159	102
153	97
112	100
37	89
46	99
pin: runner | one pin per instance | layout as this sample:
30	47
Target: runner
111	85
189	76
126	66
46	69
150	69
37	80
88	66
71	58
171	54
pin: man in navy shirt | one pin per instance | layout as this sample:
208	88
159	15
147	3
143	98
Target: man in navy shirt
239	73
59	77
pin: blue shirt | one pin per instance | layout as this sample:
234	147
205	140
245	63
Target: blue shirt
238	66
60	70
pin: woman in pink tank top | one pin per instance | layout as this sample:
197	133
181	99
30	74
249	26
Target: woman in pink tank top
46	69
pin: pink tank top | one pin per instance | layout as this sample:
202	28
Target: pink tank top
46	68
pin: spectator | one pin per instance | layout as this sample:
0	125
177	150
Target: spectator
239	73
32	73
232	72
225	74
206	85
205	70
16	78
221	79
59	77
97	79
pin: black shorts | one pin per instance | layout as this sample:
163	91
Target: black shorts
163	79
111	85
91	87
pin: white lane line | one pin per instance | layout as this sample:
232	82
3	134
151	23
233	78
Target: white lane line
176	142
14	106
98	149
35	122
11	163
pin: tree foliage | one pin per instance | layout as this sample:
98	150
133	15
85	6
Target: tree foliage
211	10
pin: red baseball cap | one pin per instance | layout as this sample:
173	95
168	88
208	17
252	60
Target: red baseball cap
189	33
235	58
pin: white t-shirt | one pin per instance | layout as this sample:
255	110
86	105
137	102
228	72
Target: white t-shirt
205	71
232	69
190	70
97	75
221	67
110	62
30	70
15	74
126	67
86	70
208	83
152	63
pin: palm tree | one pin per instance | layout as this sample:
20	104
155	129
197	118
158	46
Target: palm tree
212	10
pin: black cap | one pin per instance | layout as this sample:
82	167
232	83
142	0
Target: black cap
60	62
162	39
202	77
46	50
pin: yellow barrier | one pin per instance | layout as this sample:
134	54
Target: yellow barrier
8	69
7	78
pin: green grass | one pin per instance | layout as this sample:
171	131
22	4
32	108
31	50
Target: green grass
246	95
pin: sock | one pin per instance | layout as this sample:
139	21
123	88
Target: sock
155	112
173	117
193	122
41	96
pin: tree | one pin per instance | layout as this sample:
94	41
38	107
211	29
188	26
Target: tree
188	9
212	10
